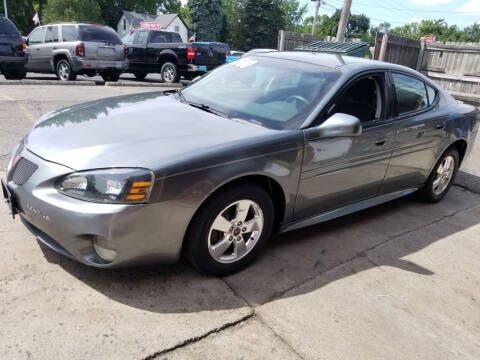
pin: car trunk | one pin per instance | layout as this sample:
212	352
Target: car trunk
10	45
210	54
104	51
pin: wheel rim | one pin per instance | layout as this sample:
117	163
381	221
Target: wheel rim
235	231
444	175
63	71
169	73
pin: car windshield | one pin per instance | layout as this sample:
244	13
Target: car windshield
99	34
271	92
6	27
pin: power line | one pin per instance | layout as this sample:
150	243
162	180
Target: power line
370	17
420	10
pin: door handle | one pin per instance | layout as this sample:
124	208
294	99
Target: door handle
440	126
381	142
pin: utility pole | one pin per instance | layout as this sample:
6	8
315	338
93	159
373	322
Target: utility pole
342	26
319	2
5	8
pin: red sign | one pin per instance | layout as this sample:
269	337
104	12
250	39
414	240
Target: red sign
428	38
150	25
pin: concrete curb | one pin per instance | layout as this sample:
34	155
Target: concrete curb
143	84
49	82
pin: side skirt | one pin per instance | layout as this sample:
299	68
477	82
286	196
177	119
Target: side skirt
349	209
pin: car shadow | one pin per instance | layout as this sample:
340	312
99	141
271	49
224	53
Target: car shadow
382	236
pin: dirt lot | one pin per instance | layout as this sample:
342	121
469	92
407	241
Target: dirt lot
399	281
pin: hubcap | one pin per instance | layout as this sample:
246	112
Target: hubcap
235	231
444	175
169	74
63	71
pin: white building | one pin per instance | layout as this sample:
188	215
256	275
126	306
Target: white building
168	22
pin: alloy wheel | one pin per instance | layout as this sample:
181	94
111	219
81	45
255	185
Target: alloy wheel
444	175
235	231
169	74
63	71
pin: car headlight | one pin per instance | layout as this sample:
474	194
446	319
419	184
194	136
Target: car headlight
15	156
108	185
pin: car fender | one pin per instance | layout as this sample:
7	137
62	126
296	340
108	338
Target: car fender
166	52
59	52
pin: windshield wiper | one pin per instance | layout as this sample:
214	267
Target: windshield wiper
206	108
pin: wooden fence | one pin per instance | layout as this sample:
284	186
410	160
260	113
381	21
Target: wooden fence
289	40
397	50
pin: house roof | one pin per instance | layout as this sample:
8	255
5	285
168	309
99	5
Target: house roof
164	20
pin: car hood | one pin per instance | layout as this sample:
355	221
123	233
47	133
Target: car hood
140	130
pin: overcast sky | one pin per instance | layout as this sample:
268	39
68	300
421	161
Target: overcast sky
458	12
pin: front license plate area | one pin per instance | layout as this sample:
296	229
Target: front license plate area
9	199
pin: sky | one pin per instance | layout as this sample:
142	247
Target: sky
456	12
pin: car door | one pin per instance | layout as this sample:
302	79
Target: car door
420	127
51	44
137	51
35	43
340	171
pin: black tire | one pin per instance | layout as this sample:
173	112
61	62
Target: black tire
170	73
431	191
64	71
140	76
110	76
16	74
196	248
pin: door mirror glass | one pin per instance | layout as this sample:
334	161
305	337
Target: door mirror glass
337	125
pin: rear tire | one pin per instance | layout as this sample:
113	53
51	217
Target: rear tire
140	76
64	71
17	74
442	177
230	230
170	73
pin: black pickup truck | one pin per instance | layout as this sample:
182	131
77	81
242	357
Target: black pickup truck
155	51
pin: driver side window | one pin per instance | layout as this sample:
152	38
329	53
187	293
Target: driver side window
364	99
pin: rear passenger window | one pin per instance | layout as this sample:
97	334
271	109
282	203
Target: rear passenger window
159	38
69	33
411	94
52	34
141	38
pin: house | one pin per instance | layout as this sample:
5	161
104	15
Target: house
169	22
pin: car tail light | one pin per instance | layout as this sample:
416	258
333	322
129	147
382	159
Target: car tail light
24	45
80	49
190	53
125	51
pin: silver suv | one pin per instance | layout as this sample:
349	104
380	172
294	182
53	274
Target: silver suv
71	49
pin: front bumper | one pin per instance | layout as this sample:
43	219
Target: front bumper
138	234
99	65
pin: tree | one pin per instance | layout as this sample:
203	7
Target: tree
293	14
258	23
73	10
21	13
206	19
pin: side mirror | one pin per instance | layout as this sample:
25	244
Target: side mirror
337	125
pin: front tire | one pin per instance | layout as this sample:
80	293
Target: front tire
230	230
442	177
170	73
65	71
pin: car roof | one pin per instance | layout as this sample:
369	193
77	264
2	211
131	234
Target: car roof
346	64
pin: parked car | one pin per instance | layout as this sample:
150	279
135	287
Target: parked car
268	143
154	51
71	49
12	51
234	55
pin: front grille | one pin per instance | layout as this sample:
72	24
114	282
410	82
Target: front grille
23	170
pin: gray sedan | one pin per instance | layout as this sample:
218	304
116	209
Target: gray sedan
266	144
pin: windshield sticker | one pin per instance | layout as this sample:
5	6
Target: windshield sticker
244	63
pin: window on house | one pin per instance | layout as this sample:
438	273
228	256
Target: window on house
124	24
177	28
